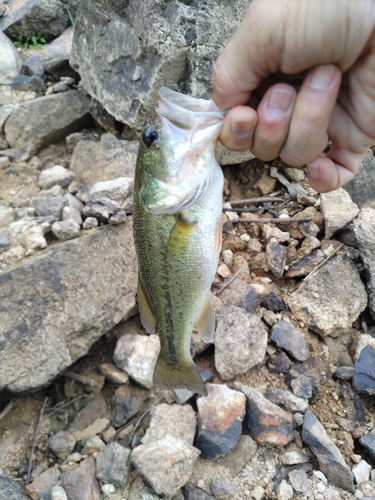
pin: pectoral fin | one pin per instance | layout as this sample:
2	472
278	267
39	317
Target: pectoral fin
147	318
206	322
181	233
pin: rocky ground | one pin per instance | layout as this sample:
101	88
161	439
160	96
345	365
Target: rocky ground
290	373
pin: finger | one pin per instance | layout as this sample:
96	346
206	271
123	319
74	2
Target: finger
238	128
274	115
311	115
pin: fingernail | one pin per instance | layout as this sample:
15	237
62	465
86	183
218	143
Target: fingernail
279	102
242	130
322	76
313	170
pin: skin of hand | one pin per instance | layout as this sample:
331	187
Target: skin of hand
295	75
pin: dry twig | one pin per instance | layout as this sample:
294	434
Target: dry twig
80	378
257	209
228	282
322	263
34	440
60	406
262	199
8	408
277	220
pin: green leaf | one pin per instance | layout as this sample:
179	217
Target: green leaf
34	40
42	39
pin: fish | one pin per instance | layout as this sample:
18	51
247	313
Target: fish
178	189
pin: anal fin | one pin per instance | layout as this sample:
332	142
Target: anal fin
206	322
147	318
182	376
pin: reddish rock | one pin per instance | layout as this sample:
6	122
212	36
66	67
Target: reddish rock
80	482
114	374
43	484
95	409
127	401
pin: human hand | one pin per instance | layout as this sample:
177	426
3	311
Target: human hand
308	69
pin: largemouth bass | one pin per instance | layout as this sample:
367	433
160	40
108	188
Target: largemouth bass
177	228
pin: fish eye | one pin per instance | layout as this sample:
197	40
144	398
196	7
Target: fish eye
149	136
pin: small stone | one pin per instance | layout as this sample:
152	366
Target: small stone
113	374
368	442
299	481
112	464
140	491
4	162
107	192
220	416
58	493
62	444
302	386
73	214
258	493
108	489
284	491
137	355
279	363
55	175
95	409
240	341
223	271
60	87
274	232
11	489
80	482
287	337
90	223
166	464
4	240
309	244
109	434
226	255
50	206
7	216
268	423
74	187
33	65
42	485
298	418
338	210
178	421
192	493
66	229
362	471
96	427
364	371
127	402
328	455
344	372
286	400
101	211
73	202
222	488
28	83
244	451
92	445
306	264
276	254
294	458
118	218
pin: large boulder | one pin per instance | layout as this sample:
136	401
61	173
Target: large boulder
11	61
56	304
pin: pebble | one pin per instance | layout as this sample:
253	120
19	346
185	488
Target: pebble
223	271
294	458
338	210
299	481
268	423
368	489
90	223
222	488
287	337
344	372
118	218
108	489
60	87
240	341
284	491
220	416
100	211
43	484
127	402
137	355
7	215
92	445
95	409
4	240
368	442
113	374
73	202
80	481
273	301
4	162
33	65
240	456
328	455
361	471
27	83
66	229
176	420
96	427
286	400
226	255
258	493
70	213
112	464
302	386
270	232
107	192
166	464
309	244
306	264
276	255
62	444
55	175
279	363
193	493
74	187
364	371
58	493
51	205
140	491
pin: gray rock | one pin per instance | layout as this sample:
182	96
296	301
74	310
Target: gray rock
11	490
362	471
94	410
118	218
28	83
286	336
56	56
108	159
338	210
286	400
62	444
139	491
60	87
236	460
112	464
55	175
32	16
100	211
113	374
33	65
364	232
284	491
303	386
66	229
93	444
192	493
176	420
58	493
364	371
294	458
34	124
244	347
362	187
299	480
73	202
166	464
90	223
330	460
111	192
268	423
276	255
220	416
136	355
5	111
368	442
50	206
127	402
70	213
80	482
67	277
4	240
11	61
222	488
331	299
279	363
344	372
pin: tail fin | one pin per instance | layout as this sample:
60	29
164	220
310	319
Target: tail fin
185	375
